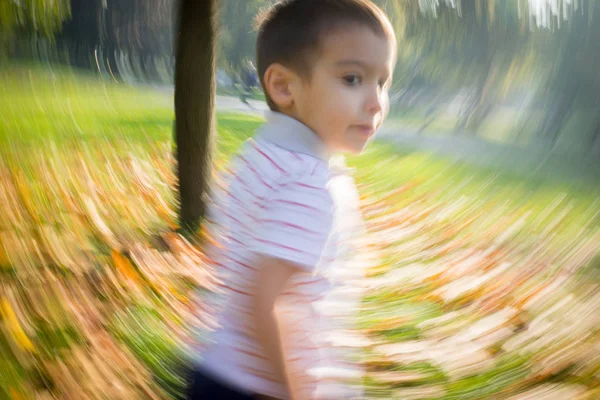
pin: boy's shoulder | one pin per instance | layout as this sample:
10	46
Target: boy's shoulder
280	163
288	146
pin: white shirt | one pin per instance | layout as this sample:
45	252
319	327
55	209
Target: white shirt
286	197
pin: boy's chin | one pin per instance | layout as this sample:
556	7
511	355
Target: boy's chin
356	149
356	152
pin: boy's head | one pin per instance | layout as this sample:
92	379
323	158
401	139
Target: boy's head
328	64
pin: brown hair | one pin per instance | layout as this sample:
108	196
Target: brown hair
290	32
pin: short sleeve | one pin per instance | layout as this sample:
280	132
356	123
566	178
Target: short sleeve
297	223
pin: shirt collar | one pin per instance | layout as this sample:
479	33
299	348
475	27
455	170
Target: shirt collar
291	134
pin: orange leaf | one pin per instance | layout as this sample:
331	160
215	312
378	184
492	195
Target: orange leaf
124	265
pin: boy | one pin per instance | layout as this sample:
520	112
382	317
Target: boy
288	209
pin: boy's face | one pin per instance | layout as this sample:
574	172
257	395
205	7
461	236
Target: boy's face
345	100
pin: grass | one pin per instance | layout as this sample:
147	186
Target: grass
94	283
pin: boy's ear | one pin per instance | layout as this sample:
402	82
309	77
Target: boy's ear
278	81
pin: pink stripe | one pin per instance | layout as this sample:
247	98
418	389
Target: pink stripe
306	301
294	331
295	203
314	169
256	199
233	271
248	215
249	353
242	264
311	282
251	168
245	184
282	246
309	186
290	225
234	240
223	266
244	203
268	158
244	311
260	374
235	219
295	155
233	289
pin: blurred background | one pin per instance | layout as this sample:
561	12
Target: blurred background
481	194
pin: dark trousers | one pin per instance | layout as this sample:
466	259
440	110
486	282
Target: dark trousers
200	387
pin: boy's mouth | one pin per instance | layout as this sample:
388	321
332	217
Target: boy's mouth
366	129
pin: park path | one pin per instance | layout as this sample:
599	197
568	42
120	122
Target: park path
234	104
527	161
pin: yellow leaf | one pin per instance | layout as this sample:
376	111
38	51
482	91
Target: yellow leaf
12	322
25	196
4	260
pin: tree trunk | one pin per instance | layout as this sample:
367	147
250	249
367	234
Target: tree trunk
558	116
595	139
195	92
475	17
566	84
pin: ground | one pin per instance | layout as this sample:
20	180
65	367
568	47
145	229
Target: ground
484	284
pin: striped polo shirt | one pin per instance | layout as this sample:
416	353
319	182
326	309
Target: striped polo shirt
285	196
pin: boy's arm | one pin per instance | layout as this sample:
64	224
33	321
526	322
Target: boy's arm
272	275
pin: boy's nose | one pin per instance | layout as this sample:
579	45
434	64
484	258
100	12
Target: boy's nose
375	102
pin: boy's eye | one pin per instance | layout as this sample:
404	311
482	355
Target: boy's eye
352	79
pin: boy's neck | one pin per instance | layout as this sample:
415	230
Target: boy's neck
291	133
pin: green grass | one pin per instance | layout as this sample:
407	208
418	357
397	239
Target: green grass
60	115
61	106
66	109
70	110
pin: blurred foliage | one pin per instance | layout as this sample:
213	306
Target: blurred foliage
96	289
500	51
471	62
537	58
39	16
482	285
237	39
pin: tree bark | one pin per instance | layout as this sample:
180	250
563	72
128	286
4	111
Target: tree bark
195	92
594	142
475	16
567	83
